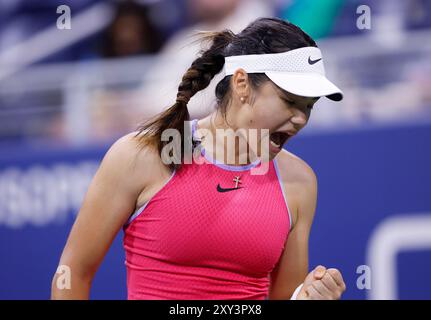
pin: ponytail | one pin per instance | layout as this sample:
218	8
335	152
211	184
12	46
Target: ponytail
196	78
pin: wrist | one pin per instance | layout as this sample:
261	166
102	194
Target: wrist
296	292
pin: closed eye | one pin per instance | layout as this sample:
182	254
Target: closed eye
291	102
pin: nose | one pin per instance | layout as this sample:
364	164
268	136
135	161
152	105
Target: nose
299	117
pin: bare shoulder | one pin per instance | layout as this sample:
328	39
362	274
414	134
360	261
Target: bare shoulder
132	159
295	170
132	146
299	184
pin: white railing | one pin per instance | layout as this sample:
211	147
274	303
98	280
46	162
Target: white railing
51	40
91	100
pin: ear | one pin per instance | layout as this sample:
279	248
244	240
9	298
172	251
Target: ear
240	84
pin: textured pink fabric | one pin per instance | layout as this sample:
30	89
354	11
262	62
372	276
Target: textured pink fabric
194	242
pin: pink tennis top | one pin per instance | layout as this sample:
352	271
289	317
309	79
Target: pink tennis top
213	231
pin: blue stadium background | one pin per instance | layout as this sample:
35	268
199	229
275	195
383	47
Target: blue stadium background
365	176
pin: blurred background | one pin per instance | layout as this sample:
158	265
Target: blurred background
68	89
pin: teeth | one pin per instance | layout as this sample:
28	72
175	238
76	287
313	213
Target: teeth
274	144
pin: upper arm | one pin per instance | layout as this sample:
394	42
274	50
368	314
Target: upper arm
292	266
109	201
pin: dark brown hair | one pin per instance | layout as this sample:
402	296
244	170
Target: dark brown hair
264	35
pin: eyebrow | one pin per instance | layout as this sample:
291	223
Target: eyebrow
285	95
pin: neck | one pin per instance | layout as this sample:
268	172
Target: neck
229	144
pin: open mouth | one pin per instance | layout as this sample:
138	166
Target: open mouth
278	139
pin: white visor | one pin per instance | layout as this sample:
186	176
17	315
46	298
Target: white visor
299	71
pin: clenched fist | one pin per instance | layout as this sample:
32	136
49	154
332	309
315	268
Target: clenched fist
322	284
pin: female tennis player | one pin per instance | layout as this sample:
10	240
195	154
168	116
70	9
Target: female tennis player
212	229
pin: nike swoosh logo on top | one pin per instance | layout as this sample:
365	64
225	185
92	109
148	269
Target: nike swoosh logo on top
313	61
220	189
